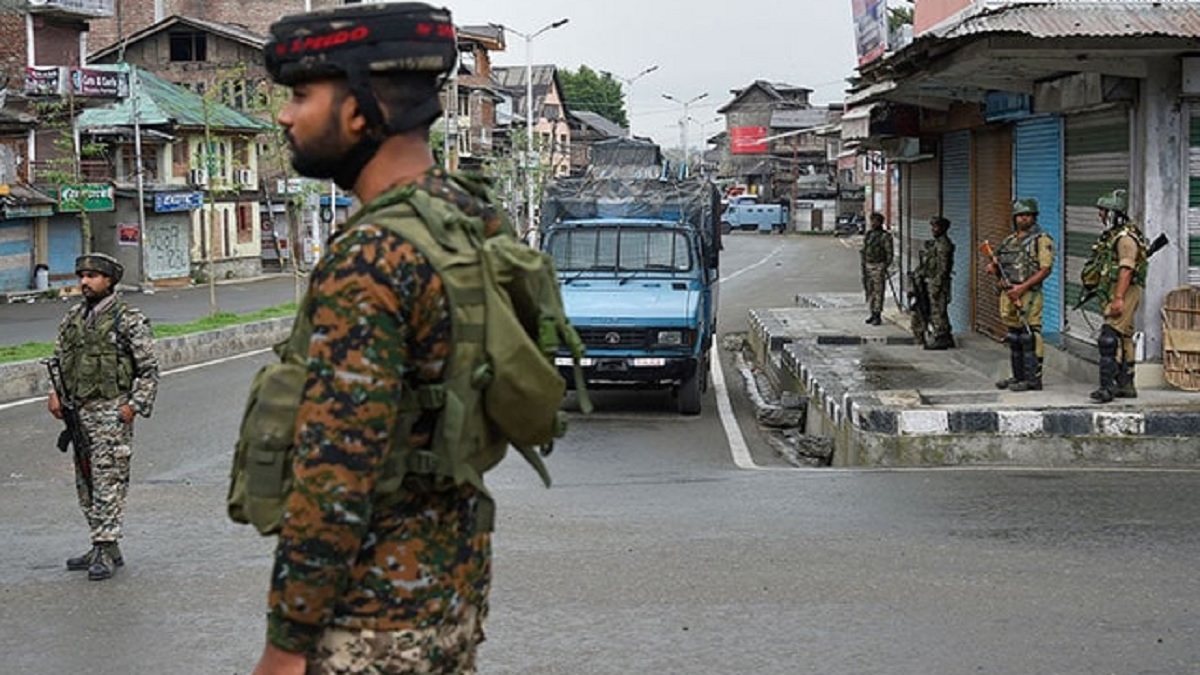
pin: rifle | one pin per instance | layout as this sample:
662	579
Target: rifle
72	435
1087	293
918	294
986	249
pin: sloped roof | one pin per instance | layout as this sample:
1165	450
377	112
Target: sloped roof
1081	19
774	90
600	123
512	80
161	103
235	32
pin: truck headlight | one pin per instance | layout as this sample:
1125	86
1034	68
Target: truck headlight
670	338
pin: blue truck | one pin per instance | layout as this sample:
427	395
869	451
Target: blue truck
637	260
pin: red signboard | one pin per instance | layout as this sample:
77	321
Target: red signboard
748	140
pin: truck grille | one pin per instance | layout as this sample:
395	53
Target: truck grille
614	338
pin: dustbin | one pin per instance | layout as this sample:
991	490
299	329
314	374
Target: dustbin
41	277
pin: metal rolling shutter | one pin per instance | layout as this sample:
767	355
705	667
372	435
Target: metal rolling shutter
1038	169
992	172
1097	161
956	206
1193	212
66	243
920	203
16	255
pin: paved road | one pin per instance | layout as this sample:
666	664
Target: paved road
37	322
653	553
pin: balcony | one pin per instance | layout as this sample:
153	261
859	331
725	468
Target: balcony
93	9
51	171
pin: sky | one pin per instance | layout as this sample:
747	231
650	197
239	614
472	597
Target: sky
699	46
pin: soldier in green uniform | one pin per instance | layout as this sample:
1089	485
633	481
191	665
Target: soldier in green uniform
1023	262
1117	270
933	274
364	583
876	258
110	372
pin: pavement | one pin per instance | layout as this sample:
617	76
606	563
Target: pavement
885	401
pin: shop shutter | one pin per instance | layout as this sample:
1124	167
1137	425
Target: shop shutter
992	216
1097	161
920	202
1038	174
66	244
956	206
16	255
1193	217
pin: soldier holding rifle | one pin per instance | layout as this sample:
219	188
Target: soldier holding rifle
1022	263
104	373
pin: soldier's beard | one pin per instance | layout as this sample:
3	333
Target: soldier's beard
325	157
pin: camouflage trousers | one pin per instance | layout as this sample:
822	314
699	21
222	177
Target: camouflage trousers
876	280
111	440
939	316
447	649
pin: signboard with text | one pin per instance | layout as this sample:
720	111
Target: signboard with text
86	197
870	29
748	140
129	234
83	82
171	202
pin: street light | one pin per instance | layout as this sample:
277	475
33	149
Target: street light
529	37
629	83
683	123
704	137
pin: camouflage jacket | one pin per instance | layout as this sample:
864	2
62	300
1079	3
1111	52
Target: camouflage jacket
381	323
937	262
877	246
108	356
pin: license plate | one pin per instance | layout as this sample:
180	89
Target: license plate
649	363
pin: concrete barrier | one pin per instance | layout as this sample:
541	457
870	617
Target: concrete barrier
28	379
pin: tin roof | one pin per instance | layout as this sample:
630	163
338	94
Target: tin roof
161	103
1081	19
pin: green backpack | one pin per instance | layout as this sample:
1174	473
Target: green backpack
501	386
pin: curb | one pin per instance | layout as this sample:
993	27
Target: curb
28	379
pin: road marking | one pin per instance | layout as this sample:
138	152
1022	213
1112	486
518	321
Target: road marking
181	369
733	433
760	263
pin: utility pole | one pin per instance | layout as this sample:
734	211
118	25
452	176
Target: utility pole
628	81
683	124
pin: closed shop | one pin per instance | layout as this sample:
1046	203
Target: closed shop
918	201
1193	212
992	216
16	255
167	245
956	206
1037	145
1097	161
66	244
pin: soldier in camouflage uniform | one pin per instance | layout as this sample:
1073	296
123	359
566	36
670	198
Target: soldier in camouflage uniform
110	372
398	585
1117	270
1023	262
935	268
877	255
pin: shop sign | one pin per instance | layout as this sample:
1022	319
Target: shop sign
86	197
170	202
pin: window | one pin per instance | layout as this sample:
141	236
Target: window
626	249
189	46
127	170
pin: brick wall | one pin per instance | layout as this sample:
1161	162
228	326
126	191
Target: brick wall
13	47
256	15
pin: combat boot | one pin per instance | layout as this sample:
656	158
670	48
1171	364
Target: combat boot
940	342
80	563
102	563
1016	359
1125	387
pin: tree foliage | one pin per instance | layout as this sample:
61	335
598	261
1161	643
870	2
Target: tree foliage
600	93
899	16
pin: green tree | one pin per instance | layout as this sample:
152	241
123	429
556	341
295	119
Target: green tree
899	16
600	93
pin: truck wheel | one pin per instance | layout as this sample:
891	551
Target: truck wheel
726	228
689	392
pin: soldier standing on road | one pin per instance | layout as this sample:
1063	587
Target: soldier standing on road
876	258
1117	270
1026	259
935	268
110	372
366	580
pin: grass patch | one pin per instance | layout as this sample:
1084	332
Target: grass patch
37	350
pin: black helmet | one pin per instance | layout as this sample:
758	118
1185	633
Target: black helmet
353	40
101	263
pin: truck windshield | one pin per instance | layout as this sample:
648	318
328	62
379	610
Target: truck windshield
626	249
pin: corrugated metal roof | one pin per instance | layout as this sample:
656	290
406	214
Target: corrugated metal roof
161	103
1083	19
599	123
799	119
